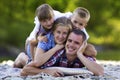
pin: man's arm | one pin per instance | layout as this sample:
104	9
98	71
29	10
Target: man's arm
91	65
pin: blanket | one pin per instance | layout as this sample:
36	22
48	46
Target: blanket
112	72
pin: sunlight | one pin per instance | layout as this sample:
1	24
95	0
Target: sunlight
114	23
108	62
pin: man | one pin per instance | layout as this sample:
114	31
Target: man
71	57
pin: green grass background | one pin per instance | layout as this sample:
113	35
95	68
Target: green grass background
102	55
109	55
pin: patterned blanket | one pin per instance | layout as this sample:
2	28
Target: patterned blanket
112	72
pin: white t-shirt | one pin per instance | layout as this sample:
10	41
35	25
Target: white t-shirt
57	15
87	36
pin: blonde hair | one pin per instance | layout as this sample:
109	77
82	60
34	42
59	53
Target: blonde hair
63	21
44	11
82	12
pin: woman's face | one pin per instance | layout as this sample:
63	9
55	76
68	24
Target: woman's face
60	34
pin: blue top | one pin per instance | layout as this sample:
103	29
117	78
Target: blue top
49	44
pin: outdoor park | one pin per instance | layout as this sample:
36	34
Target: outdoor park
17	21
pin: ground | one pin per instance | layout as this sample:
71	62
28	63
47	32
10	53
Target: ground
112	72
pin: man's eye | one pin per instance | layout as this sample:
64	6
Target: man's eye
77	43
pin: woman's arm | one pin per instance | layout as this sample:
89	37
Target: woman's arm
29	69
41	56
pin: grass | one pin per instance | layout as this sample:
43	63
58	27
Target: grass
109	55
102	55
6	58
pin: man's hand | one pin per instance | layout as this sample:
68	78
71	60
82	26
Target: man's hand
82	48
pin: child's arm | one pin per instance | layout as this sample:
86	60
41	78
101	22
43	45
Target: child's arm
35	30
32	35
90	50
33	44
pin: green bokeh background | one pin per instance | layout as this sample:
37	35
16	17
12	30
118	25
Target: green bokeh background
17	21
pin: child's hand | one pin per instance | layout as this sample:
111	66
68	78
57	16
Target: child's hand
31	42
42	38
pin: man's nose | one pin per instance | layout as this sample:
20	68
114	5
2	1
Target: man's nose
71	43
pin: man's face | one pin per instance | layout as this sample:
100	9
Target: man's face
78	22
73	44
47	23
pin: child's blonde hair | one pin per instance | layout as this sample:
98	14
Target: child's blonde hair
44	12
82	12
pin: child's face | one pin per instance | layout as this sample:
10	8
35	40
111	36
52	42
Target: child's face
78	22
47	23
60	34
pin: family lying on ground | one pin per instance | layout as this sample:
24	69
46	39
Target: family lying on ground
58	39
